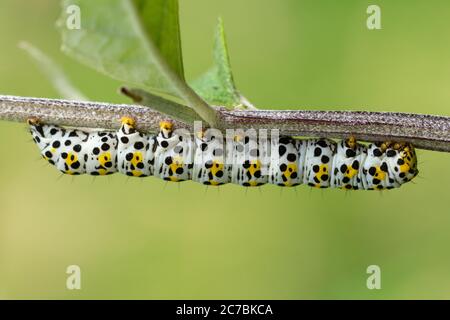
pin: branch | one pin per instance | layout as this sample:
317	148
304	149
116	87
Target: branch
80	114
423	131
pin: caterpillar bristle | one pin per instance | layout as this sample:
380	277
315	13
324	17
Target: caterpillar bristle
213	161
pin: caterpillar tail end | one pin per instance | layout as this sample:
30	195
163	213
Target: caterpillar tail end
33	121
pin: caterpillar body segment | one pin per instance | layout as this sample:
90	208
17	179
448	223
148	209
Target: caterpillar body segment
173	156
347	162
135	151
319	157
210	166
245	160
250	161
287	161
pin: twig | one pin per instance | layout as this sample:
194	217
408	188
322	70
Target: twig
79	114
424	131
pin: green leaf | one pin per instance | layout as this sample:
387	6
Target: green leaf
130	40
217	86
110	40
161	21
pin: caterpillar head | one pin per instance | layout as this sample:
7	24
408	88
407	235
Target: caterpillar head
403	161
33	121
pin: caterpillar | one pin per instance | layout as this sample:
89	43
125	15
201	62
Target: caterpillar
244	160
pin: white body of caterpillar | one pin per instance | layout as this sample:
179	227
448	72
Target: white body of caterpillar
246	161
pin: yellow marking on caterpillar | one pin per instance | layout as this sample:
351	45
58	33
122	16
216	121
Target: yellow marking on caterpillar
380	174
201	134
237	138
137	158
255	165
71	159
166	128
323	170
128	121
291	168
177	162
136	173
408	163
350	173
216	167
166	125
103	159
351	142
32	121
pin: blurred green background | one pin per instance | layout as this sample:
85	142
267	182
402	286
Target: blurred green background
144	239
